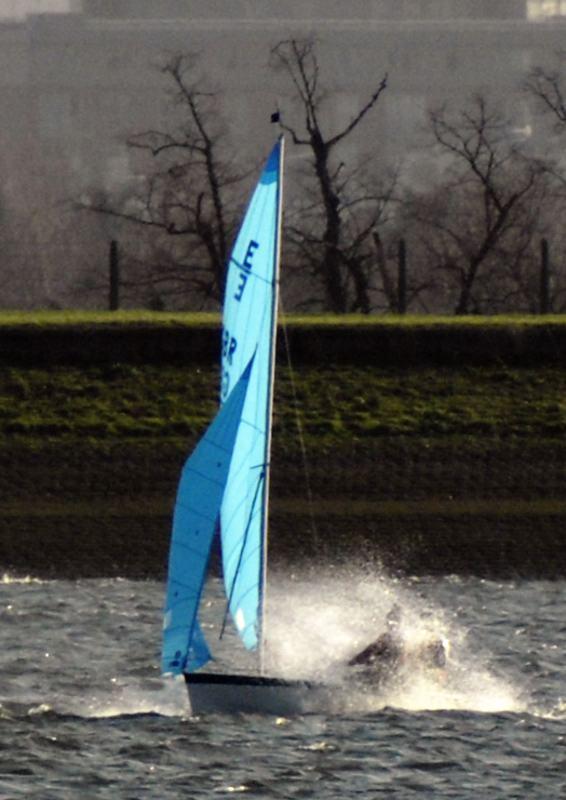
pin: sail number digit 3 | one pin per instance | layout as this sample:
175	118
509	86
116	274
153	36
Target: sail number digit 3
246	269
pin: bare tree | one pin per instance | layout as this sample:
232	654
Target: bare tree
338	247
400	288
548	87
483	213
188	200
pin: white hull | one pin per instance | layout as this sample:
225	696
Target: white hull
247	694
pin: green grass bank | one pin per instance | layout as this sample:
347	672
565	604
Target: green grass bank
432	445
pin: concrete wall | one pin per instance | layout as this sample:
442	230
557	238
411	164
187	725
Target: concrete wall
308	9
19	9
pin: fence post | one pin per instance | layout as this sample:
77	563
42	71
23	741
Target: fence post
114	296
402	278
544	277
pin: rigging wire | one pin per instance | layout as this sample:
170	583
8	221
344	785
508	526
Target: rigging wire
316	540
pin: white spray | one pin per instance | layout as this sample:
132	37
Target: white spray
316	624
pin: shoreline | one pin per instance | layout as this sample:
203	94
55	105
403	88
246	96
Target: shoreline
483	539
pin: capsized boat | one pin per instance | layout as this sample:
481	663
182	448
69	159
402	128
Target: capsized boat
225	483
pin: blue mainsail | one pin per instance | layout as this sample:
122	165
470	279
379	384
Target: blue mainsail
249	327
200	491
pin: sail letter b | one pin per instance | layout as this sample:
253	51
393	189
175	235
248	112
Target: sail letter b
229	346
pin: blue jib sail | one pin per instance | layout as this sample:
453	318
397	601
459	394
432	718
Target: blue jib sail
195	519
249	327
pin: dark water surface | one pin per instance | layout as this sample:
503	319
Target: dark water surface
84	711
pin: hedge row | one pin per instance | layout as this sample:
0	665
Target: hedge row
310	342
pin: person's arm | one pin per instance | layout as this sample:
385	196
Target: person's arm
370	653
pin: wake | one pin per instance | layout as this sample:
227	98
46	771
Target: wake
168	699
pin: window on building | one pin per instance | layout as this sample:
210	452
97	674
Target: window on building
543	9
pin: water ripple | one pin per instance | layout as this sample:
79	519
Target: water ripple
83	709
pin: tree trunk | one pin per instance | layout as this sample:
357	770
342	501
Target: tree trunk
402	278
330	268
361	287
114	265
544	278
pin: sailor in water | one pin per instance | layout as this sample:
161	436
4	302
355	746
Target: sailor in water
382	659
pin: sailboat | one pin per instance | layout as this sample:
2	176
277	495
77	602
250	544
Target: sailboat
224	483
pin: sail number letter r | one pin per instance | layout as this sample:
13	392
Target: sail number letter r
246	269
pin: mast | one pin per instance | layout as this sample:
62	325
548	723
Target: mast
269	409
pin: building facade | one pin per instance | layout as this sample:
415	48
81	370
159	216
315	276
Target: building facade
75	85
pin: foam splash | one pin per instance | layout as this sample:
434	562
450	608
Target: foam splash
556	712
168	700
472	688
9	580
317	624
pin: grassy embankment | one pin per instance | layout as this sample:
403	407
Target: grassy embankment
425	466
